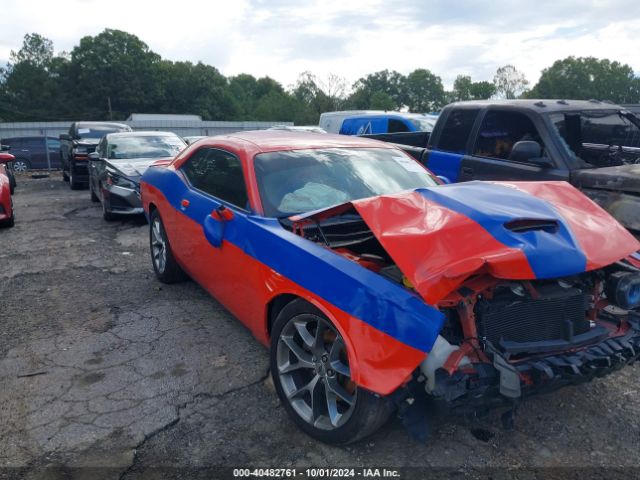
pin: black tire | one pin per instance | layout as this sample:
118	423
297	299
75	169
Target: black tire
94	197
164	264
12	181
74	184
107	214
9	222
353	421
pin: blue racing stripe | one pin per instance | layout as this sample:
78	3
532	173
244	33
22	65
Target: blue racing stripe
550	254
361	293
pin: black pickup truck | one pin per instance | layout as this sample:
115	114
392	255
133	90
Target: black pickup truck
593	145
75	147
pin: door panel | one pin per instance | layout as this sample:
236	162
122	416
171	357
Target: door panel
482	168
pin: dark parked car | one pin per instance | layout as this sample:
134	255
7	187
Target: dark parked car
76	145
118	163
31	152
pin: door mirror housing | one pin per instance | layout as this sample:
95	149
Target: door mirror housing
6	158
529	151
214	225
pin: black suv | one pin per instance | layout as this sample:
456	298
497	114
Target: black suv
31	152
76	146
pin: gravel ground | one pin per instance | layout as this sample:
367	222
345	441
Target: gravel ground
106	373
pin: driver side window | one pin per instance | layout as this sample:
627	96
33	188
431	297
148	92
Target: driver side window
218	173
501	130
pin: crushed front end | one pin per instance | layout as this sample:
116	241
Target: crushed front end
504	341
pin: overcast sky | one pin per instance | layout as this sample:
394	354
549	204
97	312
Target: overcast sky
282	38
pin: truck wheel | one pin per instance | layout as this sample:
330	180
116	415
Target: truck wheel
312	377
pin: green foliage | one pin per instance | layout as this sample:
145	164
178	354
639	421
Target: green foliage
584	78
509	82
114	74
465	89
423	91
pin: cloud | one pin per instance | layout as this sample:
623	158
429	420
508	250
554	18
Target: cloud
282	38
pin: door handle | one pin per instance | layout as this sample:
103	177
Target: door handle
184	203
467	170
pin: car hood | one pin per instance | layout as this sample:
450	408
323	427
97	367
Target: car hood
624	178
133	167
441	236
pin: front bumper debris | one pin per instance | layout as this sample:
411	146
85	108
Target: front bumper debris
470	393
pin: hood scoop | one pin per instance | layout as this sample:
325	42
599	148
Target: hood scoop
524	225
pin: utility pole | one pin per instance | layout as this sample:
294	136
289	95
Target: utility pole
110	111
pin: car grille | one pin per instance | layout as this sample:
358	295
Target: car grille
554	315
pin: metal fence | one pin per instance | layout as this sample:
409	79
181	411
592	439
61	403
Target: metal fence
182	128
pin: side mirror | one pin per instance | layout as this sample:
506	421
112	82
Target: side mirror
65	136
94	156
528	151
6	157
214	225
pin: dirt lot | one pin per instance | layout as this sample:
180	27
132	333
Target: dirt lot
107	374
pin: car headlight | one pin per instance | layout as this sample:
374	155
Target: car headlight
623	289
80	150
118	181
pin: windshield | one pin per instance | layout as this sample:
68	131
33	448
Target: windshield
304	180
148	146
97	131
589	134
423	124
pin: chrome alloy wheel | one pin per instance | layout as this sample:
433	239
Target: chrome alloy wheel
158	245
314	372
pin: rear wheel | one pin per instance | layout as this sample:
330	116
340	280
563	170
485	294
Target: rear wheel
312	377
164	264
21	165
74	184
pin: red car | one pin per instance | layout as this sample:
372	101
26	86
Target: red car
377	288
7	217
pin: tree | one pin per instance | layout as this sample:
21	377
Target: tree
118	69
465	89
586	78
385	81
381	101
33	82
509	82
197	89
422	91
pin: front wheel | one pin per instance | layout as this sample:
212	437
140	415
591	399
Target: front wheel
312	377
164	264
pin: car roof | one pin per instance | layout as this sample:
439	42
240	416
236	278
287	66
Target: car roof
540	105
101	124
141	134
278	140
